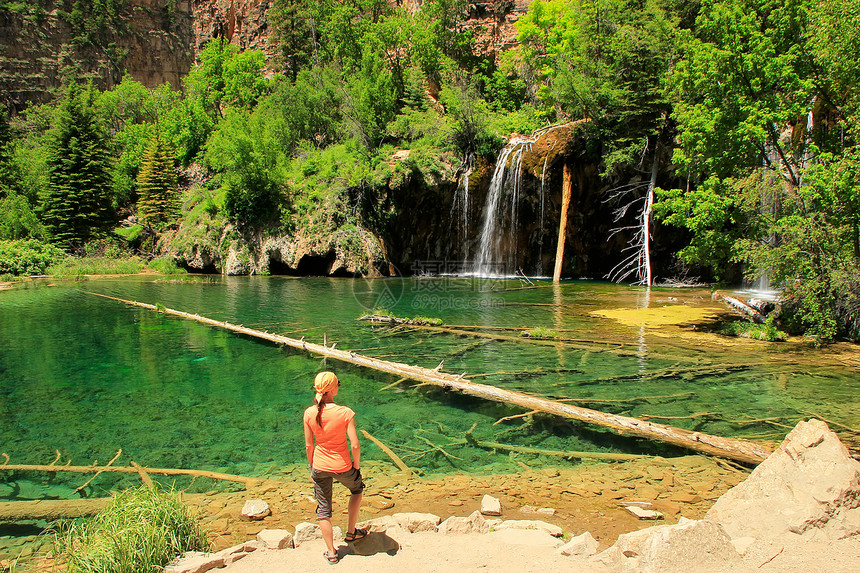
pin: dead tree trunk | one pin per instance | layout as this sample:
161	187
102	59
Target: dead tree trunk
51	509
646	217
566	185
731	448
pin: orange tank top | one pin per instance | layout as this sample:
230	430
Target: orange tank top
331	453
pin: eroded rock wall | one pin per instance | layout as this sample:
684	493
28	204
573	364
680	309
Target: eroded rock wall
159	40
154	43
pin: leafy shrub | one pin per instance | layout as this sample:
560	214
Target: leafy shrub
141	531
165	265
540	332
27	257
746	329
426	320
76	266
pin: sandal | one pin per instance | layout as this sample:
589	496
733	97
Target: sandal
355	535
332	558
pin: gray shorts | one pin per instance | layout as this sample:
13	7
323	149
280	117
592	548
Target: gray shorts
323	483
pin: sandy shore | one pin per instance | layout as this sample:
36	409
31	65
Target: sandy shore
584	498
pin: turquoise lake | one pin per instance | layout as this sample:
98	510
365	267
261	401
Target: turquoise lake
88	376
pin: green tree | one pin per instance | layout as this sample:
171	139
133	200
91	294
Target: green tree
250	150
9	176
156	183
78	203
764	97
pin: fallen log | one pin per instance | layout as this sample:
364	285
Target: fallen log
731	448
394	457
51	509
133	470
743	308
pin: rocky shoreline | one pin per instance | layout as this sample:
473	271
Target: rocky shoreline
804	496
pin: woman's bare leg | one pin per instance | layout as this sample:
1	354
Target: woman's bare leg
328	535
354	505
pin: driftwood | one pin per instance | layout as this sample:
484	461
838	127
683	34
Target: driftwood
133	470
743	308
732	448
394	457
51	509
470	439
612	345
80	488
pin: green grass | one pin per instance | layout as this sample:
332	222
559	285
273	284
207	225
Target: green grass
540	332
427	320
746	329
76	266
140	532
166	265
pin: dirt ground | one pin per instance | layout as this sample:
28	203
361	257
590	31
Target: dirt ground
585	498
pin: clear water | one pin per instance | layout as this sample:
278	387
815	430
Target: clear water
87	376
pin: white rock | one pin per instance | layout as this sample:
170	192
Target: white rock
584	544
643	513
810	484
275	538
697	546
256	509
553	530
743	544
414	522
309	531
195	563
475	523
490	505
546	511
306	532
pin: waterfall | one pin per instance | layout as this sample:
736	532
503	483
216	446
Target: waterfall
492	260
539	264
460	209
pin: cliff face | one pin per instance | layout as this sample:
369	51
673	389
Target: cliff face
242	22
158	40
154	43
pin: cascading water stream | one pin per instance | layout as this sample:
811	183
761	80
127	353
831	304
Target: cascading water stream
491	259
460	209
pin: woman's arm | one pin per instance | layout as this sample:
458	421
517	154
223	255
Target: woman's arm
354	446
309	444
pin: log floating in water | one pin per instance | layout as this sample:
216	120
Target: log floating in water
50	509
133	470
731	448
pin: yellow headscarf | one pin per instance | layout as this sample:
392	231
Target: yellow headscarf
324	382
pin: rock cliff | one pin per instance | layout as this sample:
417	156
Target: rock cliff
157	41
151	39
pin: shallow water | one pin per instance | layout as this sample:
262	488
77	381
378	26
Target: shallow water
87	376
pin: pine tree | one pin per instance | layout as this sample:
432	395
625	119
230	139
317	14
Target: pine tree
156	183
78	204
8	173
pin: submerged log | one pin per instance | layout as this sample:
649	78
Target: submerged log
731	448
133	470
51	509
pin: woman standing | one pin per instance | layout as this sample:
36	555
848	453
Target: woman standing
327	427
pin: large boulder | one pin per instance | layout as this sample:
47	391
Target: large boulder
688	546
810	486
475	523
